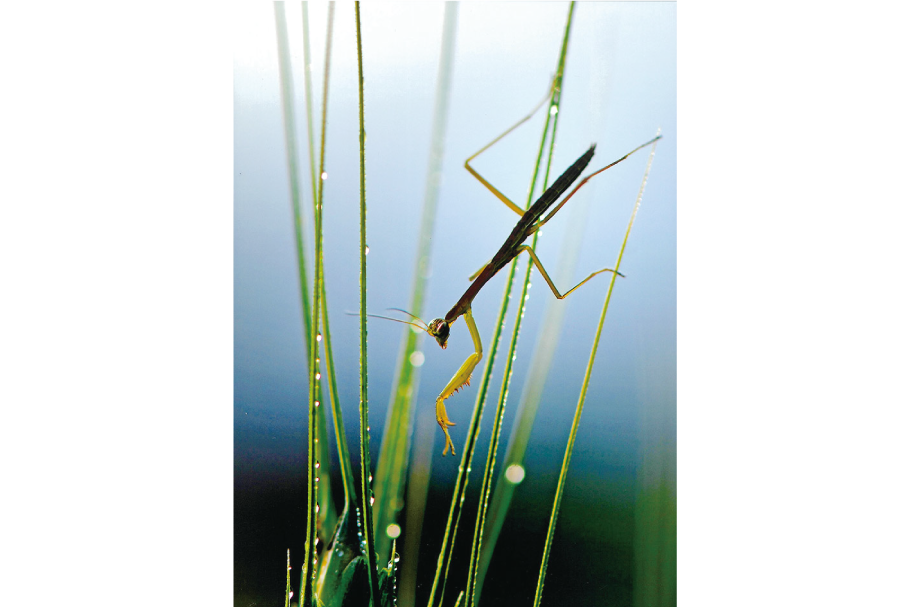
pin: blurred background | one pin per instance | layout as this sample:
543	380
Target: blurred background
615	542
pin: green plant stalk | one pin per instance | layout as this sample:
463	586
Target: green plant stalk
287	589
544	350
461	482
364	402
486	486
328	512
307	594
393	454
328	516
563	472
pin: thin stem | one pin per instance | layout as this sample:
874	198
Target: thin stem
476	548
563	472
364	402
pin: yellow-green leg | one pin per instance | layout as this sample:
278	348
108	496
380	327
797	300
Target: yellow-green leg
467	163
461	378
546	276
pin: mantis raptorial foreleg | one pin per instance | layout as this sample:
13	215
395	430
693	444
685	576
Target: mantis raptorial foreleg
461	378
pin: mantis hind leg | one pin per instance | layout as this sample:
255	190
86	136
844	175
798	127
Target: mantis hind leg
461	378
546	276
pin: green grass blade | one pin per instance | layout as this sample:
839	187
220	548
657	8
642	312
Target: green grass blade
364	401
563	472
287	96
393	455
472	589
307	594
287	589
328	516
461	482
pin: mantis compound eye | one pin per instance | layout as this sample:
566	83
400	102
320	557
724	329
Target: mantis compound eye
439	329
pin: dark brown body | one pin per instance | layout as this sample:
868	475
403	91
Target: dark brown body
524	228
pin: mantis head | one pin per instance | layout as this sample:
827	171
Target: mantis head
439	329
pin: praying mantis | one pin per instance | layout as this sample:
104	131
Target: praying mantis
530	221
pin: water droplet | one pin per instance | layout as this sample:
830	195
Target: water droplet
317	402
366	250
319	376
371	478
553	110
393	531
515	473
397	558
372	499
318	338
317	465
416	358
326	175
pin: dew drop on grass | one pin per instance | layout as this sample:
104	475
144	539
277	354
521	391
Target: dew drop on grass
515	473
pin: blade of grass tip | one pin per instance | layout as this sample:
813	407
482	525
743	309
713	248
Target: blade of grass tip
563	472
393	454
308	87
290	140
461	481
364	402
471	586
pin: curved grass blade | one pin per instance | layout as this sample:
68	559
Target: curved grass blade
563	472
476	547
393	454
